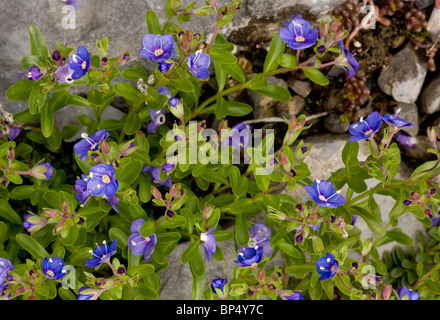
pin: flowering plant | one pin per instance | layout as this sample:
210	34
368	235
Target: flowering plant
159	178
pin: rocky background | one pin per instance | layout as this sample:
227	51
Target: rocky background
403	78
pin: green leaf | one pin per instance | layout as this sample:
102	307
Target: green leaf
220	75
275	92
182	84
148	228
133	123
221	108
316	76
128	91
397	235
134	73
129	170
142	270
153	22
241	229
38	44
287	60
277	47
8	213
32	246
289	249
372	221
36	98
300	270
235	71
20	91
189	252
222	56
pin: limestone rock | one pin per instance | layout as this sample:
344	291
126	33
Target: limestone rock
403	78
430	101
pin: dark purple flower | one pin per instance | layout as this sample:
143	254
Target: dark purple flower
101	254
75	3
396	120
406	141
168	167
351	65
407	294
54	268
294	296
164	66
324	194
219	284
32	223
13	132
64	74
239	136
56	55
327	266
363	129
155	176
157	119
89	143
87	293
139	245
157	47
298	34
34	73
102	181
353	220
199	63
210	242
248	256
80	63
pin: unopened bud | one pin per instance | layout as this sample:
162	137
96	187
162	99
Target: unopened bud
335	26
105	147
323	29
156	193
66	207
174	190
432	134
415	196
11	154
207	212
386	293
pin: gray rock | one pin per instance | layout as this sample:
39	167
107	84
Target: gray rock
292	107
423	4
303	88
433	26
264	106
410	113
334	124
325	158
403	78
430	101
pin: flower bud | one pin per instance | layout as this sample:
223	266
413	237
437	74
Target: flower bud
66	207
105	147
174	190
56	55
335	26
156	193
11	154
323	29
42	171
432	134
50	213
176	108
415	196
32	223
386	293
366	246
207	212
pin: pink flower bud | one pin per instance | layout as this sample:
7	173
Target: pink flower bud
156	193
386	293
432	134
174	190
207	211
11	154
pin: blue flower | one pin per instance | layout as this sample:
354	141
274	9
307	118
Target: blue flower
32	223
157	119
81	189
64	74
248	256
363	129
347	59
75	3
294	296
139	245
5	267
102	181
219	284
396	121
210	242
13	132
164	91
89	143
406	141
155	176
327	266
199	63
54	268
87	293
324	194
101	254
298	34
259	236
157	47
238	137
80	63
113	201
34	73
407	294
